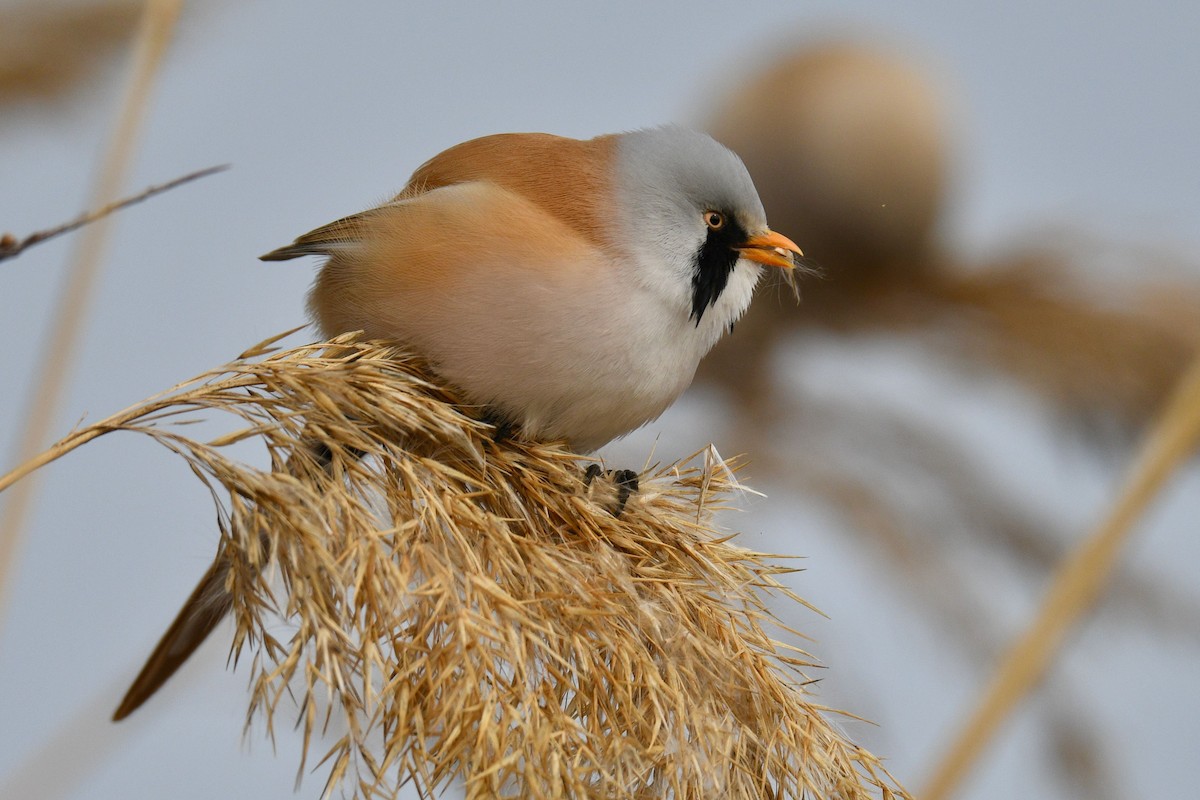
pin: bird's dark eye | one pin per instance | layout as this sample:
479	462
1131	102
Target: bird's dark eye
715	220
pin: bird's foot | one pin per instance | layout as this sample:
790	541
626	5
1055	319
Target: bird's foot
614	491
505	428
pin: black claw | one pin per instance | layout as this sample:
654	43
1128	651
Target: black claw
591	473
624	482
503	431
504	427
323	454
627	484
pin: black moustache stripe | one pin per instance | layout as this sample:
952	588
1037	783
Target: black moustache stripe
714	262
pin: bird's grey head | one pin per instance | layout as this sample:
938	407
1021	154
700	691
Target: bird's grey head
672	181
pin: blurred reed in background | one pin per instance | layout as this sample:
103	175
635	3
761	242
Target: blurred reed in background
851	148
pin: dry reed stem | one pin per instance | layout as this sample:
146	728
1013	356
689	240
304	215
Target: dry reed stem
1077	585
11	246
463	610
157	22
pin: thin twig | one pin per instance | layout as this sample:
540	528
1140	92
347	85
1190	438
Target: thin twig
11	247
1077	585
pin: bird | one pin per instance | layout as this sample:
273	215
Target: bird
569	287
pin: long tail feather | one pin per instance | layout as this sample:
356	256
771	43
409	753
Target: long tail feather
203	611
325	240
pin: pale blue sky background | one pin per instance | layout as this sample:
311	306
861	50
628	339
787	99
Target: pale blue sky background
1072	112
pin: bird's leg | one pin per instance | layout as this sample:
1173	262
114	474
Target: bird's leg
627	484
505	427
323	455
624	483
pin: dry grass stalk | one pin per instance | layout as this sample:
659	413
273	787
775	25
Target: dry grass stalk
1078	583
463	610
157	23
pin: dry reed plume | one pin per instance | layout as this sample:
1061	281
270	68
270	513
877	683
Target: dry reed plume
464	610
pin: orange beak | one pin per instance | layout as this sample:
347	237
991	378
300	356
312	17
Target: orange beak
771	248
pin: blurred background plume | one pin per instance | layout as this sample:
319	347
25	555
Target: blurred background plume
48	51
853	151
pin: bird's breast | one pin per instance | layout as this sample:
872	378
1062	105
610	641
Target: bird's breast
520	313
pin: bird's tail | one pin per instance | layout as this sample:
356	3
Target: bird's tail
207	606
327	239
